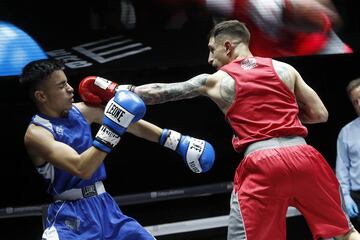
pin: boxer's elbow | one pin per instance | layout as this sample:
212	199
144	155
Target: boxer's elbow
82	171
84	175
318	116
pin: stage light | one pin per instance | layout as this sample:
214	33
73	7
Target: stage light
17	48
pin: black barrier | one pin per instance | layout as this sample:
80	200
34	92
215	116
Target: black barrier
171	194
131	199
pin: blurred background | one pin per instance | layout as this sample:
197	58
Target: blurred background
140	42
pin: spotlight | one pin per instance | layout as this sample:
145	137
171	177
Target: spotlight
17	49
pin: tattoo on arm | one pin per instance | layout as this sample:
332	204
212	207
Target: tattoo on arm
227	89
284	74
155	93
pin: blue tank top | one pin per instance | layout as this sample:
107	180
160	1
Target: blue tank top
74	131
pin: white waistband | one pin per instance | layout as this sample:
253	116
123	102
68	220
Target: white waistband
274	143
79	193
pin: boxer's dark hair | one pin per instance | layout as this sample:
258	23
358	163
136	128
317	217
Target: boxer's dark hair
233	28
35	72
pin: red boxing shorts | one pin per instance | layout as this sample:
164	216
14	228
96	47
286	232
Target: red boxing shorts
271	178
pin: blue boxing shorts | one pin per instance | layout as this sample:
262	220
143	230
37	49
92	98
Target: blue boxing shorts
96	217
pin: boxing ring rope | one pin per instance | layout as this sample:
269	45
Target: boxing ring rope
154	196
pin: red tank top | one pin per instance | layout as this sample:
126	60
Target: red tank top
263	107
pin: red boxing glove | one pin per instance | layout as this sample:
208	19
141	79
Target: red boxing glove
97	90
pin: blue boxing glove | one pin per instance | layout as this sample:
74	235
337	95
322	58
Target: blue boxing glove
351	206
122	110
199	155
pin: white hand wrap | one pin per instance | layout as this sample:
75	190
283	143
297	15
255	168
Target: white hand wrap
107	137
102	82
172	140
128	87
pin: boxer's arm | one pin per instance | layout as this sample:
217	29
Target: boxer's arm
142	128
155	93
311	108
42	147
145	130
92	113
96	90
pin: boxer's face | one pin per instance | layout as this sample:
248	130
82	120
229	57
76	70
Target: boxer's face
56	94
217	54
355	99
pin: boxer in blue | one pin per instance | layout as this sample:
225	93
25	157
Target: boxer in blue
60	144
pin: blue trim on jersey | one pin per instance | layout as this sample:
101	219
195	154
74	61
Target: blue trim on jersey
74	131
